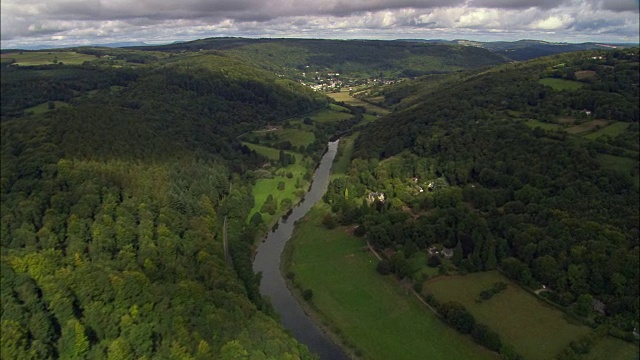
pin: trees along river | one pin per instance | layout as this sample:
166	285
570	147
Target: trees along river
273	285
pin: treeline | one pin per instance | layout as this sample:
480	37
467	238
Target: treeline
456	315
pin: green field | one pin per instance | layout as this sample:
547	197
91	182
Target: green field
622	164
612	130
343	157
265	186
561	84
376	314
612	348
44	107
586	127
46	57
326	116
533	328
546	126
295	136
344	96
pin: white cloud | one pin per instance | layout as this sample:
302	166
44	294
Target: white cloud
83	21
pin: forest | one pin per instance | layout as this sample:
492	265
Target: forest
113	207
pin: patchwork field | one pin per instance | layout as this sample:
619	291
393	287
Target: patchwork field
561	84
533	328
46	57
373	312
344	96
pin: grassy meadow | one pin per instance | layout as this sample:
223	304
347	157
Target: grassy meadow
535	329
44	107
269	184
561	84
343	96
612	130
539	124
586	127
343	157
48	57
375	314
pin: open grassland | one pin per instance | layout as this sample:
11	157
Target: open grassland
561	84
586	75
612	130
44	107
533	328
271	153
269	185
328	116
624	165
586	127
343	96
375	314
343	157
539	124
296	137
612	348
47	57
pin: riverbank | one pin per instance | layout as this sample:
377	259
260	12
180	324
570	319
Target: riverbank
376	316
273	285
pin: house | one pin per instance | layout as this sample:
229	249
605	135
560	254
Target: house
599	306
447	253
373	196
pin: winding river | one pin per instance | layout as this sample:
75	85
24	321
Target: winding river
273	285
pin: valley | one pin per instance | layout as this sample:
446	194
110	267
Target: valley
501	192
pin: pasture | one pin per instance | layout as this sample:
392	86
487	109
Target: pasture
561	84
343	157
31	58
586	127
345	97
375	314
275	135
612	130
44	107
535	329
539	124
612	348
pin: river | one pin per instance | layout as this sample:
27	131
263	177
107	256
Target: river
273	285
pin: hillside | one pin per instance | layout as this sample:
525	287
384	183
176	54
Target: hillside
353	58
529	168
115	184
529	49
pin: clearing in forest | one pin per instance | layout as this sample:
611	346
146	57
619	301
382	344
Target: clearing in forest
587	126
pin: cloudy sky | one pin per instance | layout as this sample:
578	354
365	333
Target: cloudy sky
74	22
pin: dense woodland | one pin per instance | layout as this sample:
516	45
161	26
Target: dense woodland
113	207
459	167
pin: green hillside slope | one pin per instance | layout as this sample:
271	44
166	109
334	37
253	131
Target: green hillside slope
112	210
498	166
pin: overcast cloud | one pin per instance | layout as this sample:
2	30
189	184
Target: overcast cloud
71	22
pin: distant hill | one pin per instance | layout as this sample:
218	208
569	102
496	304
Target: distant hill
528	49
364	58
